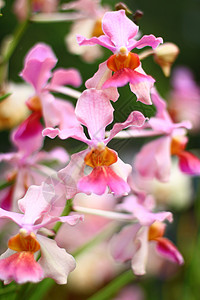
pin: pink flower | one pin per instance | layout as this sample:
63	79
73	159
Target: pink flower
119	37
87	23
132	243
18	262
26	164
21	7
37	71
184	98
95	111
154	159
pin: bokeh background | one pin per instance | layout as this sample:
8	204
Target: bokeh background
175	21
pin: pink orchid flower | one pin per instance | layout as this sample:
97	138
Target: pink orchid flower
87	23
184	98
154	159
26	164
19	261
119	37
132	242
37	71
21	7
95	111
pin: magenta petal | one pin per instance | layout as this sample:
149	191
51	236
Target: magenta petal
140	84
65	77
189	163
167	249
28	136
119	78
116	184
101	177
94	183
20	267
95	111
38	64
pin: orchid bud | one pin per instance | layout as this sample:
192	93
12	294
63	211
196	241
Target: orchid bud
165	55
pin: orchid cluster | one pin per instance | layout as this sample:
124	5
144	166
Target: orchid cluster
62	202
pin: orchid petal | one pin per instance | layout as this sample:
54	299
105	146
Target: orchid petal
36	202
65	77
96	106
154	159
167	249
15	217
119	28
95	182
28	136
135	119
189	163
139	259
146	40
102	40
98	80
55	262
38	64
141	213
71	174
20	267
122	245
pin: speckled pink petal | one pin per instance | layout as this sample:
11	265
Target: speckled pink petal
95	111
119	28
21	267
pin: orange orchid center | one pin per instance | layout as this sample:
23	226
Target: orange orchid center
97	30
24	241
156	231
99	157
123	59
178	144
34	104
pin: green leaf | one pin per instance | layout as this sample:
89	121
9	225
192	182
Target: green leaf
5	96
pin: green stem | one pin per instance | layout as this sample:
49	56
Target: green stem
103	235
66	211
5	184
15	40
114	286
11	48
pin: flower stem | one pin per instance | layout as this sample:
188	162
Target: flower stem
114	286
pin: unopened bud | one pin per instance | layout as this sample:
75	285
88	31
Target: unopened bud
165	55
